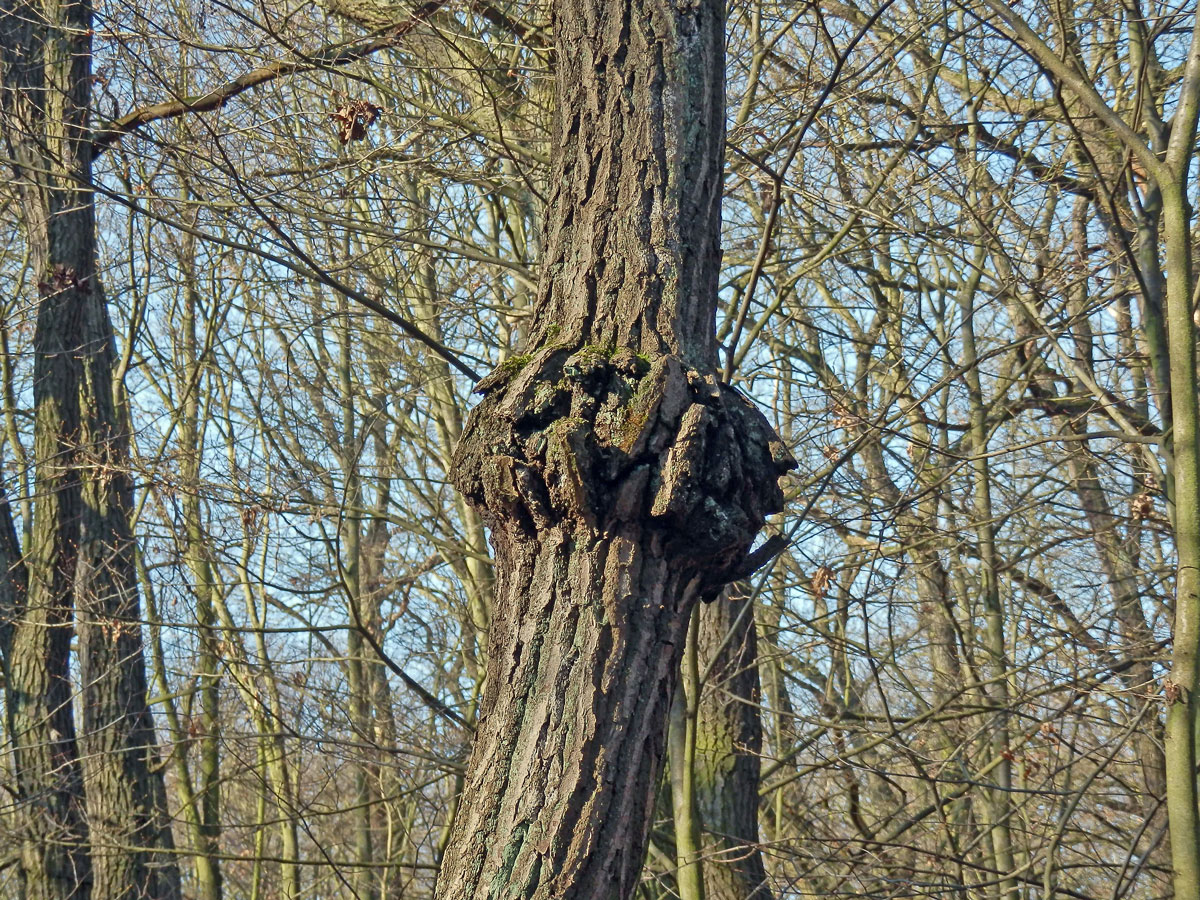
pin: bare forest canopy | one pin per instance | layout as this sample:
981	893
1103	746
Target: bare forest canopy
255	259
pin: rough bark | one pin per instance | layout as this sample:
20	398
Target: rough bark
50	809
53	832
131	840
622	482
728	744
80	561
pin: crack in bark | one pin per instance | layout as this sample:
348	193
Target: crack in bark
619	491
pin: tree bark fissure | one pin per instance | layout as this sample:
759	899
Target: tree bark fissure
632	229
607	527
621	480
91	810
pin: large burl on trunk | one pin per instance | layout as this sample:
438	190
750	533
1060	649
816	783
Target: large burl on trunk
621	481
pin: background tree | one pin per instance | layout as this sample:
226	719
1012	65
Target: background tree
91	805
943	279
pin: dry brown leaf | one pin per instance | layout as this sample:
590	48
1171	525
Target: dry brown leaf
821	580
354	118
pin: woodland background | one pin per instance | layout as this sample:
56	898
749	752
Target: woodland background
941	278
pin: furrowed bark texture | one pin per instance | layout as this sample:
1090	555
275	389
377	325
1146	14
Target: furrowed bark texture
99	828
50	808
632	232
50	817
621	481
131	842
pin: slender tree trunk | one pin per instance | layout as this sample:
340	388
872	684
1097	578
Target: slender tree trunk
205	818
357	668
126	797
681	756
621	481
996	802
1183	697
729	739
53	831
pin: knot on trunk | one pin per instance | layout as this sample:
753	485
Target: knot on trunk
594	438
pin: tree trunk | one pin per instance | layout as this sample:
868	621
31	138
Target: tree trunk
621	481
1183	685
729	739
681	759
51	825
81	556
